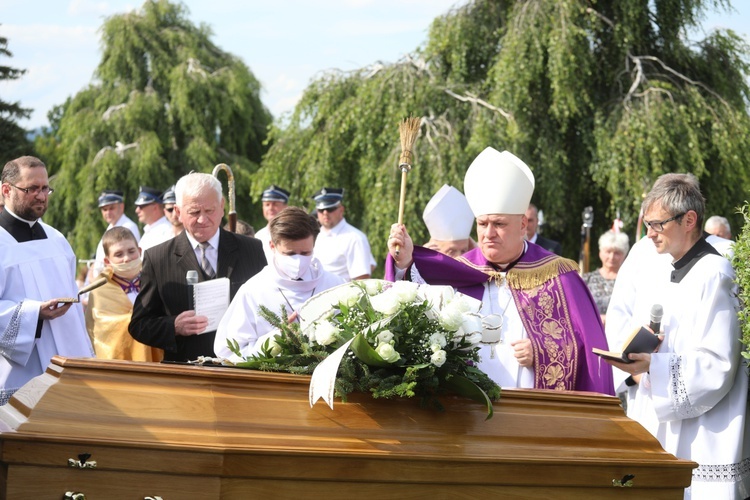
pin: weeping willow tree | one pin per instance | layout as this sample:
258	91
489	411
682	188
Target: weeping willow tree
599	98
166	101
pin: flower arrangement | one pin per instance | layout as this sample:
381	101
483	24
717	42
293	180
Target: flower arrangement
389	339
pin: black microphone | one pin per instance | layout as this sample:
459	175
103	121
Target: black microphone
192	280
657	311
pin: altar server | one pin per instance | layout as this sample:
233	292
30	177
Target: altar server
692	393
549	319
37	268
291	277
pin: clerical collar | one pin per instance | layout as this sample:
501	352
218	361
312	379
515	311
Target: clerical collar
686	263
29	222
510	266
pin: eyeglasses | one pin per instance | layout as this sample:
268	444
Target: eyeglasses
45	190
329	209
658	226
170	209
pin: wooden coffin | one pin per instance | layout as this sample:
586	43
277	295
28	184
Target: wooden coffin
118	429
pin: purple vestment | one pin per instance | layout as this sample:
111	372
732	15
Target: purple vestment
556	308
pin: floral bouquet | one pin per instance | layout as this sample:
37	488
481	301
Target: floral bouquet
390	339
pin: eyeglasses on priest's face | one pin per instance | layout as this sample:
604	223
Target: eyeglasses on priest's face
34	190
658	225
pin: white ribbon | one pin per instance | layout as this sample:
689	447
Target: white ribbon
324	376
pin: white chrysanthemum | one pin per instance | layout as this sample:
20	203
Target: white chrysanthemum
388	353
405	291
438	338
386	302
325	333
385	337
438	358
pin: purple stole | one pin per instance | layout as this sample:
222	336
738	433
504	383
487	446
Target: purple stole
555	306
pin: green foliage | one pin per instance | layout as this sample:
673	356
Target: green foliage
13	141
741	265
414	335
164	89
598	98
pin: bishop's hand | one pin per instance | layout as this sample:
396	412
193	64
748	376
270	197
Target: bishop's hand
400	246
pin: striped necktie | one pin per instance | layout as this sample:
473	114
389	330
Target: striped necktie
205	264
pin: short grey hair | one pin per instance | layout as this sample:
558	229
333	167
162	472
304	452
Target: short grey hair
718	222
677	194
618	241
195	183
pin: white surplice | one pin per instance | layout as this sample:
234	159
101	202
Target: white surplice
242	321
31	273
694	398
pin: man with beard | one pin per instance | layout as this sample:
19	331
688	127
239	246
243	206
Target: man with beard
37	269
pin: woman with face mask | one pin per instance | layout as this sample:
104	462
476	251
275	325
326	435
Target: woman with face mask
292	276
111	305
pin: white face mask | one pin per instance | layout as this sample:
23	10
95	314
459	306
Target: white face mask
128	269
293	266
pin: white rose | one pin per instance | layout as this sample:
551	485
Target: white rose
438	358
386	302
349	295
438	338
435	347
405	291
465	304
385	337
372	287
450	318
325	333
388	353
437	296
274	347
471	324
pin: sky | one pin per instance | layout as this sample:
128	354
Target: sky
285	43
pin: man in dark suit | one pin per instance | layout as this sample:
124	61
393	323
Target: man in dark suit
532	215
162	314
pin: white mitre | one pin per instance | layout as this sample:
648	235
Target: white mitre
498	183
448	216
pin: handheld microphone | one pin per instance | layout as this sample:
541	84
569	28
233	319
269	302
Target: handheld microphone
657	311
192	279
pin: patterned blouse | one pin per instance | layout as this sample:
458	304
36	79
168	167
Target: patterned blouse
601	289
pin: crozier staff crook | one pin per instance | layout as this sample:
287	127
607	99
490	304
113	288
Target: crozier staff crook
408	130
232	216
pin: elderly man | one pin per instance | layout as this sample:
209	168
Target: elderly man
449	220
692	393
162	314
156	228
37	267
719	227
550	321
342	248
112	207
274	200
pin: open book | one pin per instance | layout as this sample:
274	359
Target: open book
641	340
